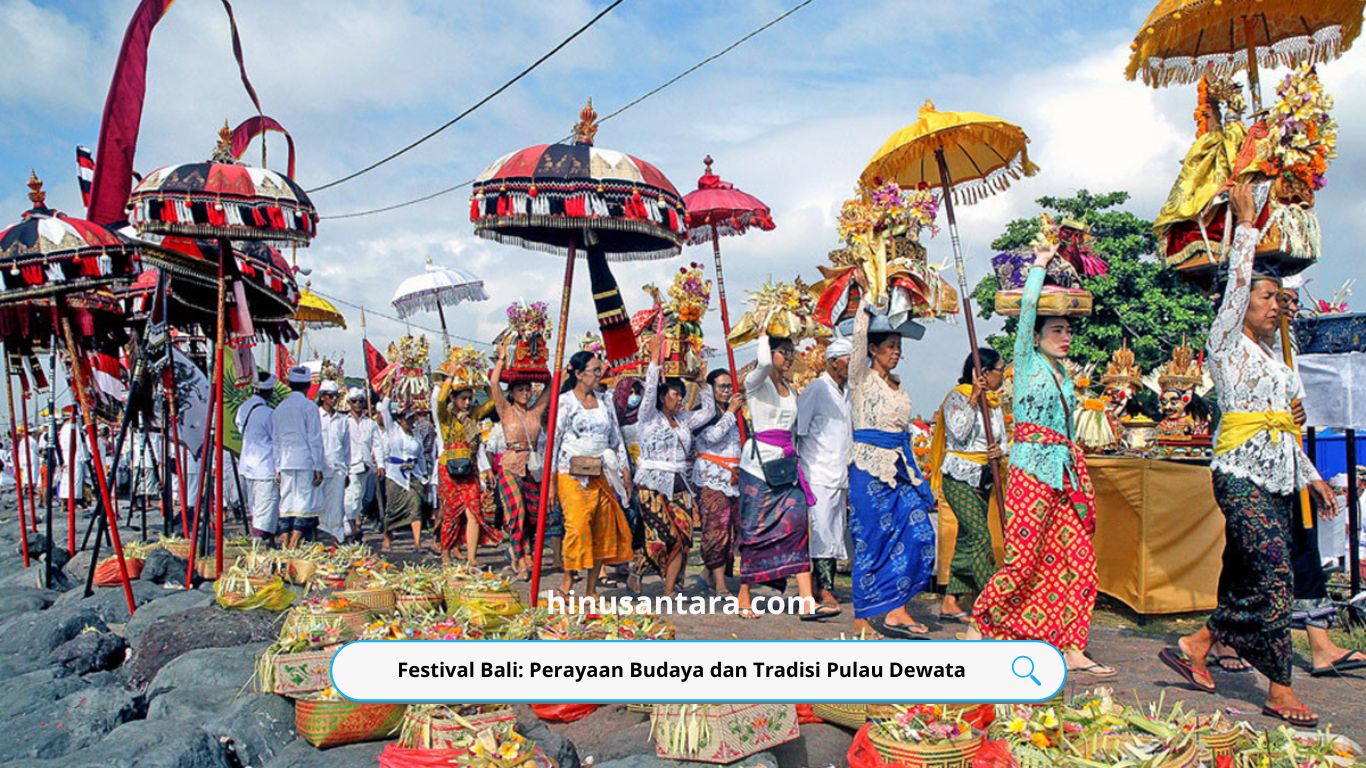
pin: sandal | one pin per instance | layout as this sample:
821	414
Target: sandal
821	613
900	631
1343	664
1231	662
1300	716
958	618
1180	663
748	613
1094	669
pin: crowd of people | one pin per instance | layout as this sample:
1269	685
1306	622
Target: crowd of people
775	485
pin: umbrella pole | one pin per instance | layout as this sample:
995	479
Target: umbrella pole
725	319
996	475
30	456
1254	83
216	414
1306	507
548	469
18	468
85	407
445	337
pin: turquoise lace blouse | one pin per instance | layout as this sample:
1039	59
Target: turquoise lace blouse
1036	397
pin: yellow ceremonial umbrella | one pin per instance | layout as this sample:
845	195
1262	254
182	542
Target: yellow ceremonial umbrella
1183	39
316	311
969	156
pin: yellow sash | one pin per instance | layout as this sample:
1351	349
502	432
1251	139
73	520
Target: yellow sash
1237	428
934	462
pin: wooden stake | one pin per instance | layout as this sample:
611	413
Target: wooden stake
18	468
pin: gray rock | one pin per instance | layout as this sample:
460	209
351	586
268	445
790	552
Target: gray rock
19	600
191	704
51	729
110	602
761	760
91	652
34	689
255	727
78	567
148	744
174	602
559	748
162	566
215	667
35	635
210	627
301	754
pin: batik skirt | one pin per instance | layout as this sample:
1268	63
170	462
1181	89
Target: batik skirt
462	504
401	505
1046	588
668	528
893	540
720	528
973	562
520	495
1255	585
774	532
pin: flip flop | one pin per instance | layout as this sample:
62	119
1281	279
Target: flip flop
1300	716
1222	662
1180	663
1343	664
748	614
958	618
900	631
1096	670
821	614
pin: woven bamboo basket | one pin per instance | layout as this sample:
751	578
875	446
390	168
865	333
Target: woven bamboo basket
348	624
846	715
424	728
178	547
1221	744
956	754
333	723
380	600
416	605
300	571
289	674
488	607
207	567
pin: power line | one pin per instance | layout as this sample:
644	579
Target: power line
477	104
653	92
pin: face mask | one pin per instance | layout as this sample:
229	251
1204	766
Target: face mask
633	401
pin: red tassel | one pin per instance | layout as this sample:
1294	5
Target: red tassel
502	205
90	267
619	342
217	216
474	209
258	217
32	274
275	216
168	212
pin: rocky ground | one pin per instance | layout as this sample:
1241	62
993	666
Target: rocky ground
83	685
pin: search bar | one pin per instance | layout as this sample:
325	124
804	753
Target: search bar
698	671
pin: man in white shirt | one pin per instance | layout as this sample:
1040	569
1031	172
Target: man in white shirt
824	441
299	463
336	429
71	472
257	464
369	454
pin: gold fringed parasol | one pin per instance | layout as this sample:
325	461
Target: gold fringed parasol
1184	39
317	312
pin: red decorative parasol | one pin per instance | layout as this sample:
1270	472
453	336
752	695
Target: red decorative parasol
557	198
716	209
223	200
47	261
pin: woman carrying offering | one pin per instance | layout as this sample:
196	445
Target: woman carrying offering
519	467
774	534
964	478
1046	589
716	474
1258	468
889	498
591	474
462	484
667	504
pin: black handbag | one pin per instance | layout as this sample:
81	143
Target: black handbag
459	468
778	473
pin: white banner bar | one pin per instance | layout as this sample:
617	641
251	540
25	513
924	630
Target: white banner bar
697	671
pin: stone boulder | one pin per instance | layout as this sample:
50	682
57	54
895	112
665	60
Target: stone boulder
47	729
301	754
91	652
175	601
35	635
208	667
162	566
210	627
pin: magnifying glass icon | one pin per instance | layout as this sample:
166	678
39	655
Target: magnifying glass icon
1025	670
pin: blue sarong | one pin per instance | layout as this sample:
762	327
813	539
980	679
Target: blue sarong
893	539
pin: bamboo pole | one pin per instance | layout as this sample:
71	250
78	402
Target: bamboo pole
86	407
1306	506
725	322
18	468
997	476
548	470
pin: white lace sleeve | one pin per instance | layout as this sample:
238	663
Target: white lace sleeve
961	420
1228	323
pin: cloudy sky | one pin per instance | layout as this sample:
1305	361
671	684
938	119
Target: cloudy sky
791	117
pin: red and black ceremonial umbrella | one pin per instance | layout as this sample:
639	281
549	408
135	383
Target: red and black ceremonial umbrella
223	200
557	198
717	209
45	260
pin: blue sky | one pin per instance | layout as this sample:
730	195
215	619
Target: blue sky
791	117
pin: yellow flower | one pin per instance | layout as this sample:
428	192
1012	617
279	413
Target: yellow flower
1017	725
1040	740
1050	719
507	750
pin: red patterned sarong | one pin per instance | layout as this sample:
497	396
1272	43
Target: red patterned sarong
1046	589
461	502
520	494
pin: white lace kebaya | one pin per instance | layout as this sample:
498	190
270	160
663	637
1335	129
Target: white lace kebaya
1252	378
664	449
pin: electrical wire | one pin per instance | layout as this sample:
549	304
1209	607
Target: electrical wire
476	105
633	103
408	323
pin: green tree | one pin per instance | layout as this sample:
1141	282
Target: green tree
1139	300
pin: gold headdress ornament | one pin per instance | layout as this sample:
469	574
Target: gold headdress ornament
1182	373
1122	372
466	368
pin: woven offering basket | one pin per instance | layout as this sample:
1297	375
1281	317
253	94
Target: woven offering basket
178	547
300	571
290	674
379	600
419	604
845	715
956	754
347	624
333	723
1054	302
424	728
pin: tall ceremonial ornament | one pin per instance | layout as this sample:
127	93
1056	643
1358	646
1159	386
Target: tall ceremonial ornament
557	198
1189	41
716	209
49	264
969	156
